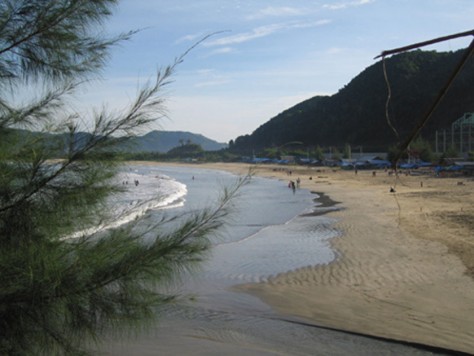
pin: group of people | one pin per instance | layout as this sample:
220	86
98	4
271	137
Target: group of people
136	182
293	186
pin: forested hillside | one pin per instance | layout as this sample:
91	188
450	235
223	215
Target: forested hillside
355	115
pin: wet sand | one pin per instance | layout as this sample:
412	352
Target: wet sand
405	263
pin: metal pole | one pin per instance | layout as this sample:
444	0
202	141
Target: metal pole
452	136
444	141
469	137
426	43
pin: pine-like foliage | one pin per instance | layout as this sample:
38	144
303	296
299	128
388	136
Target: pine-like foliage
57	292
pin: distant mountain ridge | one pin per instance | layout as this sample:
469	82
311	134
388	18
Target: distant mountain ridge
153	141
163	141
355	115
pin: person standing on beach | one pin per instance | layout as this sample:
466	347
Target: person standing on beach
293	187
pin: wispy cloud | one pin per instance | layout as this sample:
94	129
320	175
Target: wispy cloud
222	50
191	37
206	71
272	11
258	32
263	31
346	4
211	83
210	78
311	24
335	50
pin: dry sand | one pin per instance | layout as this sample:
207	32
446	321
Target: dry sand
405	263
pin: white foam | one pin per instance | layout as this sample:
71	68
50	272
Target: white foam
151	192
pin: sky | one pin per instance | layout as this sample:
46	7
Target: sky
264	56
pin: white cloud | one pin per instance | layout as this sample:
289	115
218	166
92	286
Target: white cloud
345	5
190	38
272	11
223	50
311	24
211	83
258	32
263	31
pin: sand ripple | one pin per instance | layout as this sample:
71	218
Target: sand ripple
384	281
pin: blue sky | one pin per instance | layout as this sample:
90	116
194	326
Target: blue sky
271	55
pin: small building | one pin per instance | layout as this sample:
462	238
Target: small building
288	159
366	162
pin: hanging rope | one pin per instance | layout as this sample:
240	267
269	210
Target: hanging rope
387	102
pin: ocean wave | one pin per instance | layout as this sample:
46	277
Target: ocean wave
143	192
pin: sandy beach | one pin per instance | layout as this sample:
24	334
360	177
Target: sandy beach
405	263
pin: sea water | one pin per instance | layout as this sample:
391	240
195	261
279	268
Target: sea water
267	233
264	234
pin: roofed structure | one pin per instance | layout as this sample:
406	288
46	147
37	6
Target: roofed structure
460	137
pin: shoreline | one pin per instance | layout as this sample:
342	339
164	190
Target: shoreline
326	205
405	260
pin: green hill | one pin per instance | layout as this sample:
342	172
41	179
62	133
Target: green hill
163	141
355	115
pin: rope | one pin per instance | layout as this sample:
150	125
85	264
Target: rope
387	102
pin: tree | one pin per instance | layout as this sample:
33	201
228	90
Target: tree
451	152
188	150
470	156
57	291
336	155
347	151
421	149
318	153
